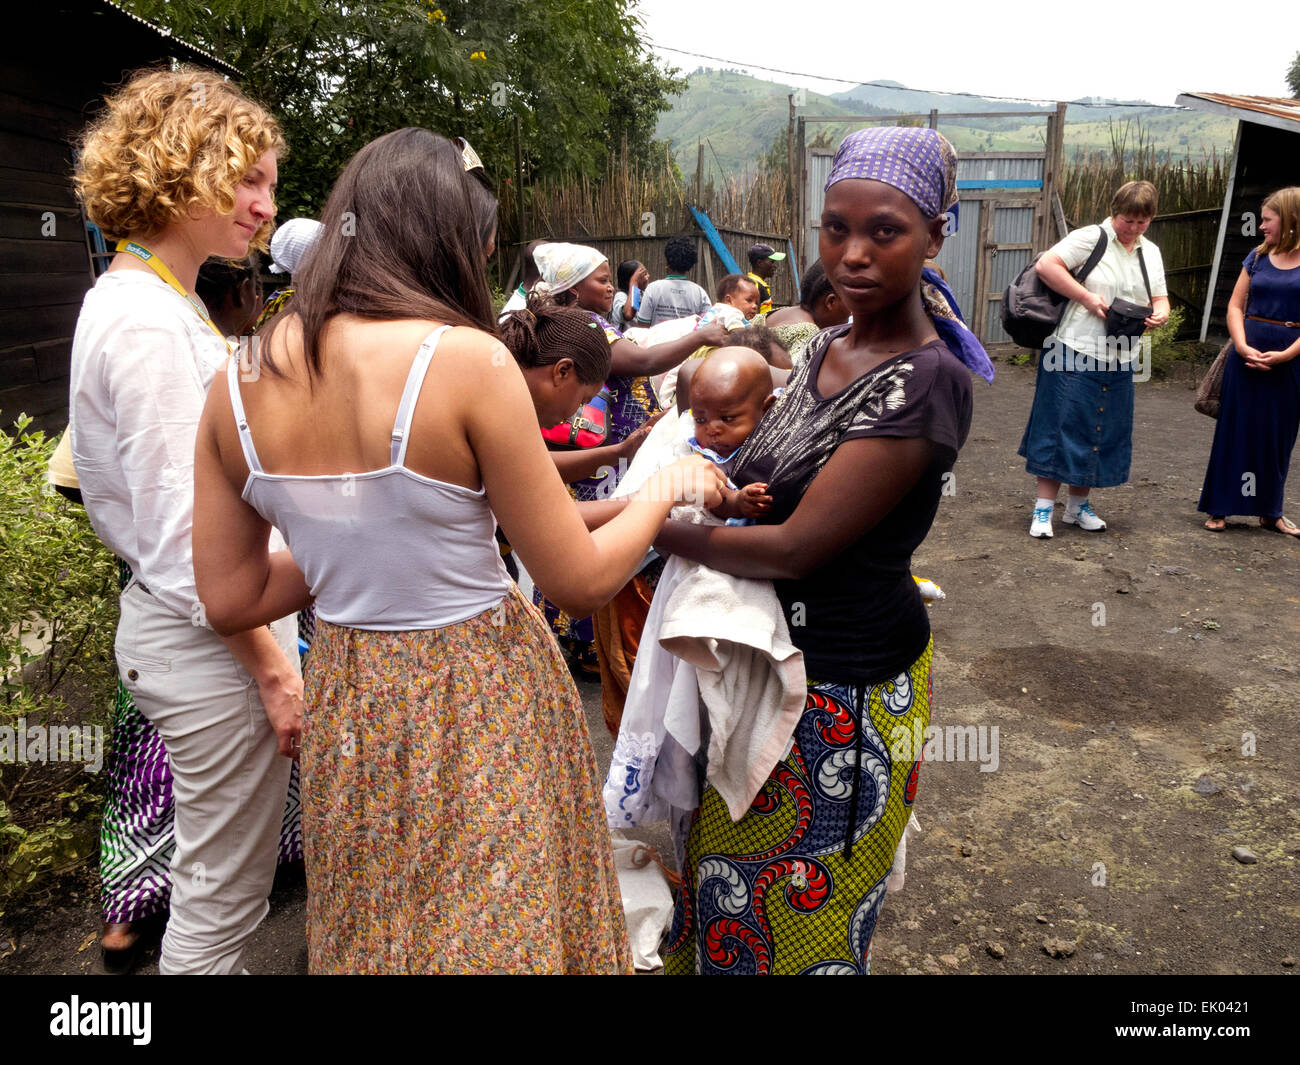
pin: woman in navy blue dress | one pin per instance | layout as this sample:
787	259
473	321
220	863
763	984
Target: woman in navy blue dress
1260	412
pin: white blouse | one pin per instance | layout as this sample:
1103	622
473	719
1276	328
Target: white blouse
142	360
1117	275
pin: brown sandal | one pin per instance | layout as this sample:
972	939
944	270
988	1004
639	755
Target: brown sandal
1216	524
1279	525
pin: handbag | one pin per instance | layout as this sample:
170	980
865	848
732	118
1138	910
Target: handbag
1128	319
1209	394
589	427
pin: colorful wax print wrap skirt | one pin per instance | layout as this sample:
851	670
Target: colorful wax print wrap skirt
781	890
452	809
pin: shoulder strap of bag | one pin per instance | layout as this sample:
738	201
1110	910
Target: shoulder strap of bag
1098	250
1145	280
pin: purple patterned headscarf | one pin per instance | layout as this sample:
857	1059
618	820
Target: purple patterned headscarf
920	163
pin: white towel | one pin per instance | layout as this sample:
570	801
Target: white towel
711	634
751	677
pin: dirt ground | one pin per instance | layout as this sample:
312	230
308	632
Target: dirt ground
1133	756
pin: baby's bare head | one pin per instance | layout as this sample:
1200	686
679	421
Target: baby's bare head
729	393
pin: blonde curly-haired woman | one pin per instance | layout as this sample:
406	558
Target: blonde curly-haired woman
181	167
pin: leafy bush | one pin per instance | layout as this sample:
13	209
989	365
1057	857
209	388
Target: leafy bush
1162	339
1167	352
58	613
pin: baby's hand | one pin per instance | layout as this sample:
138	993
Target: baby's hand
753	500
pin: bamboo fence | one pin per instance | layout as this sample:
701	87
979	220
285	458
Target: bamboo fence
629	210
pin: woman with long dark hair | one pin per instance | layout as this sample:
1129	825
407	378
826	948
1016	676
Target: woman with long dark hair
451	802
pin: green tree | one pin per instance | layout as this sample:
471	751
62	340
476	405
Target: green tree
1293	76
338	75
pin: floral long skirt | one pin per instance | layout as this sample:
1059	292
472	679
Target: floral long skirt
790	887
452	808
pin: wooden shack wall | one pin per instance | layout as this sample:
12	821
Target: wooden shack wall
46	98
1266	161
44	265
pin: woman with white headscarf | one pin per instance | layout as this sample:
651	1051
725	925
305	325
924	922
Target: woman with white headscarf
576	275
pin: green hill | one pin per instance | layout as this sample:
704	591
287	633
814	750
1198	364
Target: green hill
737	116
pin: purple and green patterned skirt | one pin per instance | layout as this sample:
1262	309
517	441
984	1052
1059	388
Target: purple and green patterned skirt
136	839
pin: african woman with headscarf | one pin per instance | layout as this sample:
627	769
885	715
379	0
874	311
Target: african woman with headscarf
575	275
854	454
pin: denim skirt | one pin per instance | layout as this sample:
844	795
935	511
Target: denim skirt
1080	428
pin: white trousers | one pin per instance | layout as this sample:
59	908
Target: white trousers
228	779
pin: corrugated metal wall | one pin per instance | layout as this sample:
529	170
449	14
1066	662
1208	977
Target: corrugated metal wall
1011	225
976	167
959	257
819	169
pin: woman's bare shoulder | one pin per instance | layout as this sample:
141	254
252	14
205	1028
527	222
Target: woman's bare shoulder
466	342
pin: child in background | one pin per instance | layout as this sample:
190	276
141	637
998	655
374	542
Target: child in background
633	279
737	302
767	342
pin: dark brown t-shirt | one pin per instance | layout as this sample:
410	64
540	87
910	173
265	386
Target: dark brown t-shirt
859	617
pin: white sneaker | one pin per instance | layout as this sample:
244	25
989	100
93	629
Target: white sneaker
1041	526
1085	517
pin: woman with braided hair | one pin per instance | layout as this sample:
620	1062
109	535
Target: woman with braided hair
565	357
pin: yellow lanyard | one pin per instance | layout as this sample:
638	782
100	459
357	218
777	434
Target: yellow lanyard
161	269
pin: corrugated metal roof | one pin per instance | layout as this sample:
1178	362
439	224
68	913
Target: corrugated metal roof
1279	111
181	45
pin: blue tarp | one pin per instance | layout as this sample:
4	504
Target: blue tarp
711	234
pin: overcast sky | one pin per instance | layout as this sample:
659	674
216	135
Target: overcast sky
1144	49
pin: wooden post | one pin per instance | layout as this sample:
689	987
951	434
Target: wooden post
699	177
1054	145
793	173
984	242
706	253
801	225
519	196
1223	229
934	118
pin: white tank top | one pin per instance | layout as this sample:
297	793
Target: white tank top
389	549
